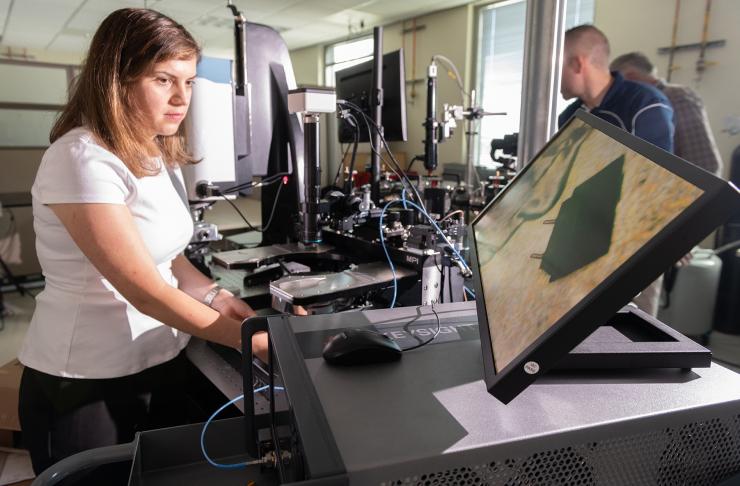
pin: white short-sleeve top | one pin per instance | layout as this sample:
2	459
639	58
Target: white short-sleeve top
82	326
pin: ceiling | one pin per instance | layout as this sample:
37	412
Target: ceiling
67	25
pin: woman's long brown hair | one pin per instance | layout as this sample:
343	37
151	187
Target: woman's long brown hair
125	47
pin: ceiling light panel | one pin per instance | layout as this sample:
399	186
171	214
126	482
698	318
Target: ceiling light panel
33	23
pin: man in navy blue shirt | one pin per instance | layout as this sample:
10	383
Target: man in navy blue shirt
634	107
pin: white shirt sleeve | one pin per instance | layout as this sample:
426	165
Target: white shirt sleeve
80	172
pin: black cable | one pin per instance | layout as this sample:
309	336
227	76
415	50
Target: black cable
397	170
374	150
356	127
272	212
439	269
239	212
436	333
346	183
273	425
264	182
349	182
411	162
441	285
274	206
449	284
341	164
368	120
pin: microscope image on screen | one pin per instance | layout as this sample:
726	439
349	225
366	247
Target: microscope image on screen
584	206
574	245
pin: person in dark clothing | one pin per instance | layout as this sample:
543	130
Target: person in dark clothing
634	107
693	141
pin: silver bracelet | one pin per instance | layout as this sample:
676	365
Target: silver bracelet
211	295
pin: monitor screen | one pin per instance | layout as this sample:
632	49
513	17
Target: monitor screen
585	205
355	84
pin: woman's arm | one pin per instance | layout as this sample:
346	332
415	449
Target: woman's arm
108	236
197	285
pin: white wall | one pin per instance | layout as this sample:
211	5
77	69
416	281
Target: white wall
41	55
447	32
308	64
22	133
652	28
629	24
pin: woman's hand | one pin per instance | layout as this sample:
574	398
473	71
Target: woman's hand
229	305
260	347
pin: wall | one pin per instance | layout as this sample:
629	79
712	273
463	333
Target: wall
18	164
18	169
448	33
308	64
41	55
652	29
451	33
21	152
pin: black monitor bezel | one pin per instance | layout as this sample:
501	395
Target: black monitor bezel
718	202
391	85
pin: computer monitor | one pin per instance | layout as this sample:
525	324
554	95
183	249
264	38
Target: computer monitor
277	137
355	84
220	124
594	218
276	134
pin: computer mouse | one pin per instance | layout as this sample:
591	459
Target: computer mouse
361	346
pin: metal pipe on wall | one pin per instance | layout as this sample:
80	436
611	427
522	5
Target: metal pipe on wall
543	53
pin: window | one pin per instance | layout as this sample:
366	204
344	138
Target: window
500	65
346	54
33	94
337	57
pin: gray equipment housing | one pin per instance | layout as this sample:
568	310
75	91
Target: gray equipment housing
428	419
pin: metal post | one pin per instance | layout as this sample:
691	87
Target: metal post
430	138
543	52
242	95
312	181
240	38
377	111
471	133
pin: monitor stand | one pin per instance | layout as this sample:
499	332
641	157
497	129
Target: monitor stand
634	339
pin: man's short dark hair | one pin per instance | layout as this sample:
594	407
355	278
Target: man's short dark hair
587	39
634	60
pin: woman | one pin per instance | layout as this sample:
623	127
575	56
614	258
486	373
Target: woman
106	341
